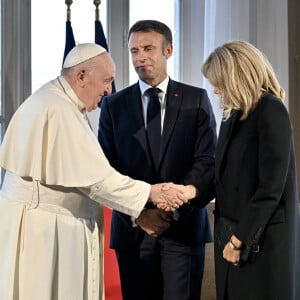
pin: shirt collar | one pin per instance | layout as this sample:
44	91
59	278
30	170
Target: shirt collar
162	86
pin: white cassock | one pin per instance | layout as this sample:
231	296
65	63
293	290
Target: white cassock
56	176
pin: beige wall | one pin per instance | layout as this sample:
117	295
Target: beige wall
294	75
208	284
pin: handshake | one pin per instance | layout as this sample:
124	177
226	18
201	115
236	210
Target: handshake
170	196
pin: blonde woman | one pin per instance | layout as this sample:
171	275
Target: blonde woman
257	213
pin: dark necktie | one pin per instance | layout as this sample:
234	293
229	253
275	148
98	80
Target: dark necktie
154	123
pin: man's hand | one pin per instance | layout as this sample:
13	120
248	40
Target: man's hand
154	221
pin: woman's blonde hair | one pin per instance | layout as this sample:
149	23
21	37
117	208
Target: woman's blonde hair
242	73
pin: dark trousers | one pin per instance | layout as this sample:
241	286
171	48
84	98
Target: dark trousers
161	269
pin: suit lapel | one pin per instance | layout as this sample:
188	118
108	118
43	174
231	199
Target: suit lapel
135	115
173	103
224	138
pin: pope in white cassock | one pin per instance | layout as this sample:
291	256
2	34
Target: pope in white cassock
56	177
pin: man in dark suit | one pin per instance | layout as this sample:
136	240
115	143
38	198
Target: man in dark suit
160	255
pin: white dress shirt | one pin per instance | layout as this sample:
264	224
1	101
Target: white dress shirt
162	98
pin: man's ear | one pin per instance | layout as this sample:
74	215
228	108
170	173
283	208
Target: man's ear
80	77
168	51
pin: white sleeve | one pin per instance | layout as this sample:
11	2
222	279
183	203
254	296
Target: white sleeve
121	193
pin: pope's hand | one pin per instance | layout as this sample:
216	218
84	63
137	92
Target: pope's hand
188	191
167	196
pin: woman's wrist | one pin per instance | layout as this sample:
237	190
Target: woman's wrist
192	191
235	244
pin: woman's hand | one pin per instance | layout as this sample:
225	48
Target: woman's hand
232	250
169	196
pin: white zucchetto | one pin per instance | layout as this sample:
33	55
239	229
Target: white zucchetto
81	53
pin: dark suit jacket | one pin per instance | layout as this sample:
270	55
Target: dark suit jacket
256	186
187	155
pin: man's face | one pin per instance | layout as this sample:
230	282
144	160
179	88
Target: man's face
148	56
98	81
